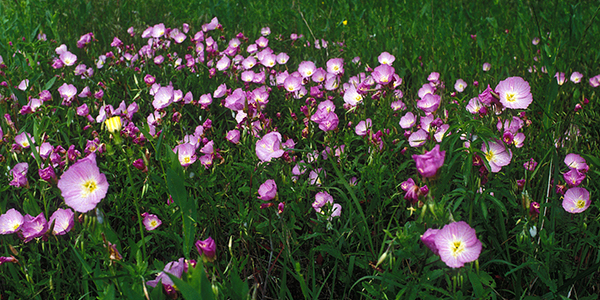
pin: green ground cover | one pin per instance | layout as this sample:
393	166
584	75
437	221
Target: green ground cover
332	209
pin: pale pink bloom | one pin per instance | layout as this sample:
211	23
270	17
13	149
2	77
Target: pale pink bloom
497	155
223	63
518	140
292	84
460	85
268	190
441	132
307	68
335	66
398	105
321	199
386	59
434	77
186	153
265	31
163	97
158	30
486	66
67	92
383	74
575	161
207	248
63	220
595	81
68	58
457	244
236	101
535	41
19	175
352	97
316	177
151	221
362	127
408	120
560	78
428	238
429	163
269	147
23	139
220	91
23	85
429	103
282	58
573	177
269	60
474	106
33	227
514	93
249	62
576	200
11	221
576	77
82	185
418	138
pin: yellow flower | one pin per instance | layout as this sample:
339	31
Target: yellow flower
345	22
113	124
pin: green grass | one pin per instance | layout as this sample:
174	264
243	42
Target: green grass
373	250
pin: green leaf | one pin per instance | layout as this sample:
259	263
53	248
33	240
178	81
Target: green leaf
476	283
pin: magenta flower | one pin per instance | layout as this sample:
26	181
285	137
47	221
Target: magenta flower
352	97
316	177
269	147
151	221
514	93
335	66
33	227
497	155
486	66
175	268
82	185
457	244
429	163
429	103
68	58
233	136
386	59
11	221
412	190
460	85
236	101
362	127
576	77
67	92
575	161
268	190
207	248
408	120
11	259
163	97
19	173
418	138
428	238
560	78
530	165
321	198
186	153
63	220
306	69
576	200
573	177
383	74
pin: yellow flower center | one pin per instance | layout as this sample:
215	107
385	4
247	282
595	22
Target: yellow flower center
489	155
186	159
511	97
580	203
153	223
88	187
457	248
15	226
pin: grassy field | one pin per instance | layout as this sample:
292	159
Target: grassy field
337	211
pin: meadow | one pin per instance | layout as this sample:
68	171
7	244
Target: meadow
306	150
